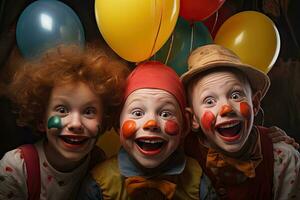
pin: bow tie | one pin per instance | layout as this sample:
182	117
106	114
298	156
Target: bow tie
135	184
246	165
218	160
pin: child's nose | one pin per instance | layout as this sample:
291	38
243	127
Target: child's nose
225	110
152	126
75	125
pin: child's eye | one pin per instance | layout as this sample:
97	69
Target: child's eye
137	113
236	95
166	114
90	111
61	109
209	101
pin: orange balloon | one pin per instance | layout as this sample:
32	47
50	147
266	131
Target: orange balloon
253	37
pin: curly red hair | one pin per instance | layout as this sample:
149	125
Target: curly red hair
32	85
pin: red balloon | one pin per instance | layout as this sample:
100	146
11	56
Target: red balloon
198	10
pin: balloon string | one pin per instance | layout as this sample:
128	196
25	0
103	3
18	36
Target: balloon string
216	20
170	49
192	38
159	25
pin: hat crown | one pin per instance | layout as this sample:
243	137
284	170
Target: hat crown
156	75
210	54
214	56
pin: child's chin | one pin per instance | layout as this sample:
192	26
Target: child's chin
74	157
149	163
232	148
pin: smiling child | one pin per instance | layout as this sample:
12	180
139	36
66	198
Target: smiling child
68	96
241	160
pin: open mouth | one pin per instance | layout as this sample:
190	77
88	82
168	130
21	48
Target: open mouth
74	140
230	131
150	146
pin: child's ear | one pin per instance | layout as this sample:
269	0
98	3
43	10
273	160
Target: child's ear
194	122
256	102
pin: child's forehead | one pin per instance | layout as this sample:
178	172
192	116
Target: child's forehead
152	98
69	88
221	76
148	93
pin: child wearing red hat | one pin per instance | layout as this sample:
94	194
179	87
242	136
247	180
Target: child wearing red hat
153	123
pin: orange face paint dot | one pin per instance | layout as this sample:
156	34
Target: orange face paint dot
128	128
225	110
207	120
172	127
150	123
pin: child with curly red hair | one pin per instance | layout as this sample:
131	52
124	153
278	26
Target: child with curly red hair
69	96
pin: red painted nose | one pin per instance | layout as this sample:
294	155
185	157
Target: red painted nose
225	109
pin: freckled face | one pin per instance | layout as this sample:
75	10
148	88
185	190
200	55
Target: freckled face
150	126
223	107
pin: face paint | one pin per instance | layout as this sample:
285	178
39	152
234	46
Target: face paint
54	122
207	119
171	127
225	109
150	124
128	128
245	110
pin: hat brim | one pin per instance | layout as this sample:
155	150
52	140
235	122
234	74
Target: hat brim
258	80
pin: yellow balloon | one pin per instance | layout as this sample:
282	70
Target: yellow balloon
109	142
136	29
253	37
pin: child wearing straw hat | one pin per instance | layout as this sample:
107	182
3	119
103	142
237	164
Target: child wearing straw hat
240	159
153	123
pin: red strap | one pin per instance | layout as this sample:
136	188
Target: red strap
32	164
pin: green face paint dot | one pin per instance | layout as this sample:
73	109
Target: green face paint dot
54	122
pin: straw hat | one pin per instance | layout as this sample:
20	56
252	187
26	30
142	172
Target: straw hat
213	56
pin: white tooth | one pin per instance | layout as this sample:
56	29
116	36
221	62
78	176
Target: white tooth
74	140
151	141
229	125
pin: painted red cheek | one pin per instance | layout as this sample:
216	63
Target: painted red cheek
245	110
172	128
207	120
128	128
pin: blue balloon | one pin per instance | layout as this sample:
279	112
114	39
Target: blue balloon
185	38
45	24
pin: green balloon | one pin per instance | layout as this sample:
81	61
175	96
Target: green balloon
185	38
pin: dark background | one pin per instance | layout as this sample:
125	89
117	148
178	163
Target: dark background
281	105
